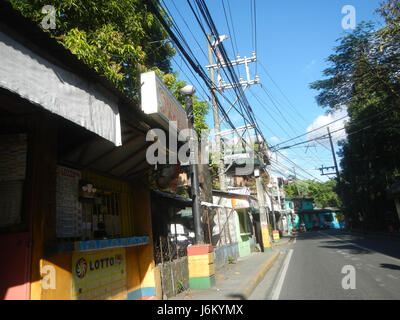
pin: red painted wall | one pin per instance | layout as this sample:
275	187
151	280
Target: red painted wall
15	266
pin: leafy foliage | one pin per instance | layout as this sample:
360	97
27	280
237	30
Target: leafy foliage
324	194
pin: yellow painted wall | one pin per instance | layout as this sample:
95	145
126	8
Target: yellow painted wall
132	269
143	226
62	268
125	193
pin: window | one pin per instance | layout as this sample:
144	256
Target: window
101	217
90	207
244	224
13	156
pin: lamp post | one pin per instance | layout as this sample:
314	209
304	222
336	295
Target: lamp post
188	91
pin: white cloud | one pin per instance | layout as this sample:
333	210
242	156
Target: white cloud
340	117
274	139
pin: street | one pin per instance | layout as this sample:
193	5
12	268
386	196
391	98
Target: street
311	268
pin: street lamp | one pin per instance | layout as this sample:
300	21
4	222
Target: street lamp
188	91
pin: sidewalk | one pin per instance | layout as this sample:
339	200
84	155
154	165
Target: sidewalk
235	281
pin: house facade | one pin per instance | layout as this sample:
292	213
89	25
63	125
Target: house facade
305	212
76	201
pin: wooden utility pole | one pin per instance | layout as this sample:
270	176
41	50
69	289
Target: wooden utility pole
334	156
265	236
295	181
221	166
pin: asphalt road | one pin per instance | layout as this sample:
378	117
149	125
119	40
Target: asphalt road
334	265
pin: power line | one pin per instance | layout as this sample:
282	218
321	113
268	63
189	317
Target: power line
262	104
191	58
337	130
283	94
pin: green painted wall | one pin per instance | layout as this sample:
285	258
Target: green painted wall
243	240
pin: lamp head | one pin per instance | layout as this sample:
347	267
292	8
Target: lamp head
188	90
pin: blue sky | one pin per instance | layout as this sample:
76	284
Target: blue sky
293	40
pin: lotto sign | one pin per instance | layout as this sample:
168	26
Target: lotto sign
275	234
99	275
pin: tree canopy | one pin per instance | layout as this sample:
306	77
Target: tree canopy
323	193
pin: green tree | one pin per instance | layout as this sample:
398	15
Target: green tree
323	193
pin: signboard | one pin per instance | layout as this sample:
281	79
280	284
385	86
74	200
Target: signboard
240	204
158	102
99	275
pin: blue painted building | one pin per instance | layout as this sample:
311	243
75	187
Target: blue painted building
304	211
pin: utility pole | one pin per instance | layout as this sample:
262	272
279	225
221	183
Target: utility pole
222	86
221	166
334	156
335	167
272	204
266	242
295	181
275	232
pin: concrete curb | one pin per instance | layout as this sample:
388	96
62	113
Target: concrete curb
250	285
277	244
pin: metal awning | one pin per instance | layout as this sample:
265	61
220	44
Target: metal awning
173	199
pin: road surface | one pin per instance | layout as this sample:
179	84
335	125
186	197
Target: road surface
334	265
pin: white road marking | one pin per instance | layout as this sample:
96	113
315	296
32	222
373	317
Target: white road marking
361	247
294	240
278	288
